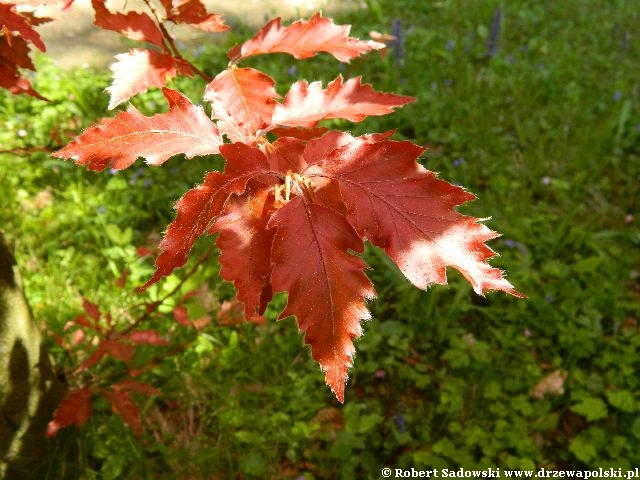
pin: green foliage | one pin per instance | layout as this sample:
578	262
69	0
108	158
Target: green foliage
546	132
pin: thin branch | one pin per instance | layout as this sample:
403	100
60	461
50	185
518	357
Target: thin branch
173	49
29	150
153	307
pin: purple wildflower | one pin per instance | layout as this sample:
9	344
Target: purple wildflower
135	176
398	43
626	40
510	243
494	34
400	422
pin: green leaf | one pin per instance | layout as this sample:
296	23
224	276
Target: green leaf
592	408
587	265
253	463
245	436
367	422
583	448
622	400
117	236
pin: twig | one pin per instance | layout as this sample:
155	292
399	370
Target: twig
173	49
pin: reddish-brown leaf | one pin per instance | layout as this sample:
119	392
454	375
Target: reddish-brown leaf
80	320
147	337
318	149
286	155
200	206
181	315
12	21
306	104
244	244
121	281
136	71
134	386
92	309
399	206
11	80
194	13
122	405
74	409
304	39
326	284
95	357
301	133
243	100
118	349
185	128
15	52
133	25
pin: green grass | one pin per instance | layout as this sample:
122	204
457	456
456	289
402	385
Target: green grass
546	133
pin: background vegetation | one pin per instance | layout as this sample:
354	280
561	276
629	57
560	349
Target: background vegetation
533	106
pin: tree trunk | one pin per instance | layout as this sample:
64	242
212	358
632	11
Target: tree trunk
29	390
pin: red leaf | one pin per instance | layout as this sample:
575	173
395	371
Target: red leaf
231	312
121	281
185	128
181	315
147	337
134	386
75	408
399	206
14	50
286	154
244	245
117	349
304	39
301	133
133	25
194	13
122	405
92	310
95	357
143	251
243	100
318	149
136	71
78	337
326	284
80	320
199	207
305	105
11	80
12	21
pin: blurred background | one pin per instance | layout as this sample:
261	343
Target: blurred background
532	106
